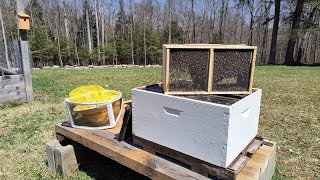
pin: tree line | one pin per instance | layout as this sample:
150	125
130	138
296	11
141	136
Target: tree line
101	32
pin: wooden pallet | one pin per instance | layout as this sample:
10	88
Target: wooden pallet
106	142
199	166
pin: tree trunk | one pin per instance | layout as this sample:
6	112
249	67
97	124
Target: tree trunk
5	41
103	32
59	50
76	50
273	47
66	26
222	12
121	3
265	34
88	29
58	34
316	50
289	60
131	30
170	19
193	22
144	41
250	41
97	27
114	44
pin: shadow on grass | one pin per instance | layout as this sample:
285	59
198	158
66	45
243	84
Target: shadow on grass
10	105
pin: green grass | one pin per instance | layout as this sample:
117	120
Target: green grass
290	116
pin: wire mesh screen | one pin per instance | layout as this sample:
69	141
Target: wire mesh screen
232	70
14	56
188	70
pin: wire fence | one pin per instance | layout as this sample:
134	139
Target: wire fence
14	56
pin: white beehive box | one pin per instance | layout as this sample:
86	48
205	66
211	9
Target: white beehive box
211	132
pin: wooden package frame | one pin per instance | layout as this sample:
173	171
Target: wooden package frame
212	48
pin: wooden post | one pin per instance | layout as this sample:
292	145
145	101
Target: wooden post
24	47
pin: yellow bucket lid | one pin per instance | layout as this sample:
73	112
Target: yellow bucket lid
91	94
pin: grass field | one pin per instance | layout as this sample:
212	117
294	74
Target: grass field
290	115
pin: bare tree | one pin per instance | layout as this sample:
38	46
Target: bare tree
131	30
222	16
65	20
97	27
273	47
88	27
193	21
103	31
289	60
170	20
144	40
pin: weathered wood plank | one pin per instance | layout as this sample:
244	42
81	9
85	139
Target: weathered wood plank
8	71
10	79
261	165
13	89
25	56
105	143
13	98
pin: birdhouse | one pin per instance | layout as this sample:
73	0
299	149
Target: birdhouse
24	21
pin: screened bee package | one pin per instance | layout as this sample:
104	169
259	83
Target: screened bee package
208	69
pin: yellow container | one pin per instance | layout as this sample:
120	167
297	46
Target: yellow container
92	107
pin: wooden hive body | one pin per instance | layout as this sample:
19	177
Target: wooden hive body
208	68
211	132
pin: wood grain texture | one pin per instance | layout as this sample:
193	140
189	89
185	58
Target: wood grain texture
24	48
211	64
253	63
105	143
13	98
260	166
167	70
164	67
12	89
